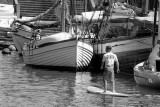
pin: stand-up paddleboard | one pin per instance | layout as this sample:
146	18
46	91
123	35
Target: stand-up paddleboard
97	90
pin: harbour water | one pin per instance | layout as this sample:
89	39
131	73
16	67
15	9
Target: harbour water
25	86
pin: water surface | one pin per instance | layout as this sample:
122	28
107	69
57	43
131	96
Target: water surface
25	86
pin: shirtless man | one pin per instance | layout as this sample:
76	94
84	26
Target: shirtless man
108	61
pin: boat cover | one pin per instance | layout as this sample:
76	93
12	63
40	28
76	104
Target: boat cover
55	38
98	15
147	21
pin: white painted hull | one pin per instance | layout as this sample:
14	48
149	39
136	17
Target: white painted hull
146	77
69	53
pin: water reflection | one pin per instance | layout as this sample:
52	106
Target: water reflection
25	86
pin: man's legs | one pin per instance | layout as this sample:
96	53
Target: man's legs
105	80
113	80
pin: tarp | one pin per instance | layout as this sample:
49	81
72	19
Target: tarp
98	15
147	19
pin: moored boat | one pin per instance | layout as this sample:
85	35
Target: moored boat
26	27
21	35
147	73
64	53
146	77
119	31
55	50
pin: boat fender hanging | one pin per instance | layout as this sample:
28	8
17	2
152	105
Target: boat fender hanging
150	80
158	74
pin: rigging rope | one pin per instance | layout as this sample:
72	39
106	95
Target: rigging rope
39	16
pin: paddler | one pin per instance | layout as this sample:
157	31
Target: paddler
109	60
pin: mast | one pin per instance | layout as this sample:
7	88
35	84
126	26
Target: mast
63	16
85	5
155	22
145	4
72	8
159	21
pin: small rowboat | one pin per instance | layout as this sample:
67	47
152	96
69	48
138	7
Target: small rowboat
147	73
146	77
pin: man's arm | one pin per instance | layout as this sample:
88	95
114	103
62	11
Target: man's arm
102	64
103	61
117	64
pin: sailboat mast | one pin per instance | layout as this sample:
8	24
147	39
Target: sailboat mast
85	5
155	22
72	8
63	16
159	21
145	4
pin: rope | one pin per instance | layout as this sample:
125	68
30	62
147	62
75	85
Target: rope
39	16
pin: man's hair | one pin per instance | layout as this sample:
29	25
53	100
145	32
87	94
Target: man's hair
108	47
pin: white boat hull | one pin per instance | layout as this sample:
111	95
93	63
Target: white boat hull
69	53
146	77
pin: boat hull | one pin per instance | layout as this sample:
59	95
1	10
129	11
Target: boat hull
146	78
69	53
128	51
22	36
19	42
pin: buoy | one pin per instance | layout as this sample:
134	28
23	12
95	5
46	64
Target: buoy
6	51
5	44
12	48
